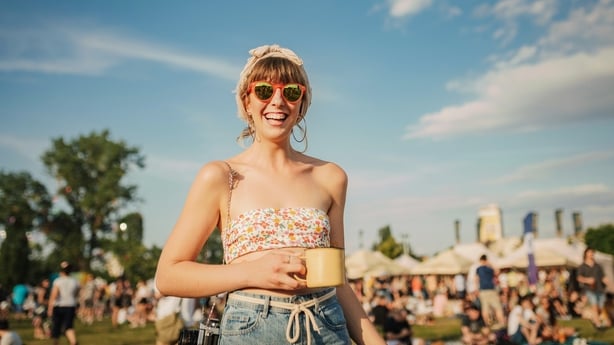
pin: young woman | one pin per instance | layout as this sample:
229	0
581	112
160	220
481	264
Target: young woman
271	202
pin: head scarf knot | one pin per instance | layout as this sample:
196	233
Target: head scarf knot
274	50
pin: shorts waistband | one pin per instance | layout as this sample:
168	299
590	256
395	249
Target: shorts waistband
296	307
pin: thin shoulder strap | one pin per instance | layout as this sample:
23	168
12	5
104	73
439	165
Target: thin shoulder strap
231	186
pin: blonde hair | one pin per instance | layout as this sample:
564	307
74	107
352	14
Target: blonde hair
273	63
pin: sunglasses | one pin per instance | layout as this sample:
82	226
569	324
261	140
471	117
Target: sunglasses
264	91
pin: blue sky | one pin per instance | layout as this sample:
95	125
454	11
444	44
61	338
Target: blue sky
434	108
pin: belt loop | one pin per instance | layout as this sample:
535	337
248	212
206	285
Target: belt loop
267	302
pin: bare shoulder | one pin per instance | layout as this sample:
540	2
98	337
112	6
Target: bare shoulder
329	172
214	173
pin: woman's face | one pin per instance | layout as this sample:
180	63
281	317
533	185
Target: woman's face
273	118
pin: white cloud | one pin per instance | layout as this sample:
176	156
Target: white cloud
529	97
406	8
566	76
92	51
583	29
545	168
508	12
581	196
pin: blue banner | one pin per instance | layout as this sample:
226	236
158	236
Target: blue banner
529	222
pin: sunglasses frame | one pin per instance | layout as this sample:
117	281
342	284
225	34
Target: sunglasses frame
280	86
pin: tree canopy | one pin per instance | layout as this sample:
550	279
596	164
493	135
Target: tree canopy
90	172
388	245
24	206
601	238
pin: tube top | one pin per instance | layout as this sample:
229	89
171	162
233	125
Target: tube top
272	228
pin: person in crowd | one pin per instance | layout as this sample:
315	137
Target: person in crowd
417	288
8	337
39	321
126	298
101	300
471	284
168	305
380	310
460	287
18	298
142	300
86	300
431	285
116	291
558	307
397	329
474	330
593	282
524	325
544	311
63	304
488	294
440	301
270	202
574	304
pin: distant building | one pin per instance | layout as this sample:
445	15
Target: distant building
490	224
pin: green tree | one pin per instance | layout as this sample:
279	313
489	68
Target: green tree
388	245
24	207
130	228
601	238
90	171
138	261
66	234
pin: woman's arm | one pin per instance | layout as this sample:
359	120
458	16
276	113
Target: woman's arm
361	329
178	274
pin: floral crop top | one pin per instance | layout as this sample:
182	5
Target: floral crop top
272	228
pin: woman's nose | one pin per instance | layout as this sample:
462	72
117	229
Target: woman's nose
277	96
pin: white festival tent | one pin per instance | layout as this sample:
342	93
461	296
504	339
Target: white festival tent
372	263
548	252
447	262
406	261
557	252
473	251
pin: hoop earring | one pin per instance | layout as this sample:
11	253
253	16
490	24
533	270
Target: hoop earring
304	138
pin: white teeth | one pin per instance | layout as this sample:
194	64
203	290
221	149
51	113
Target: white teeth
275	117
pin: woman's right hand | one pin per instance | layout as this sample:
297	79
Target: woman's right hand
275	269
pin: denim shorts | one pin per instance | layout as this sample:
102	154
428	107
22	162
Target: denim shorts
595	298
246	322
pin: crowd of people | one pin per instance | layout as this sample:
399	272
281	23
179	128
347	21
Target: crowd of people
492	305
95	300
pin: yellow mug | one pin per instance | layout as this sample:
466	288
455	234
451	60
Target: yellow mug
325	267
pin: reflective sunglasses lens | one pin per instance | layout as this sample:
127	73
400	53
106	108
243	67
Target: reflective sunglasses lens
263	91
292	92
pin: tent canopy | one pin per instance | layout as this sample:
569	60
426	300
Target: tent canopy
446	262
372	263
473	251
548	252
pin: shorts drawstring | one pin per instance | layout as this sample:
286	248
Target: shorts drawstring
296	310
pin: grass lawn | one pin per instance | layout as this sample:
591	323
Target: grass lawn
102	333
